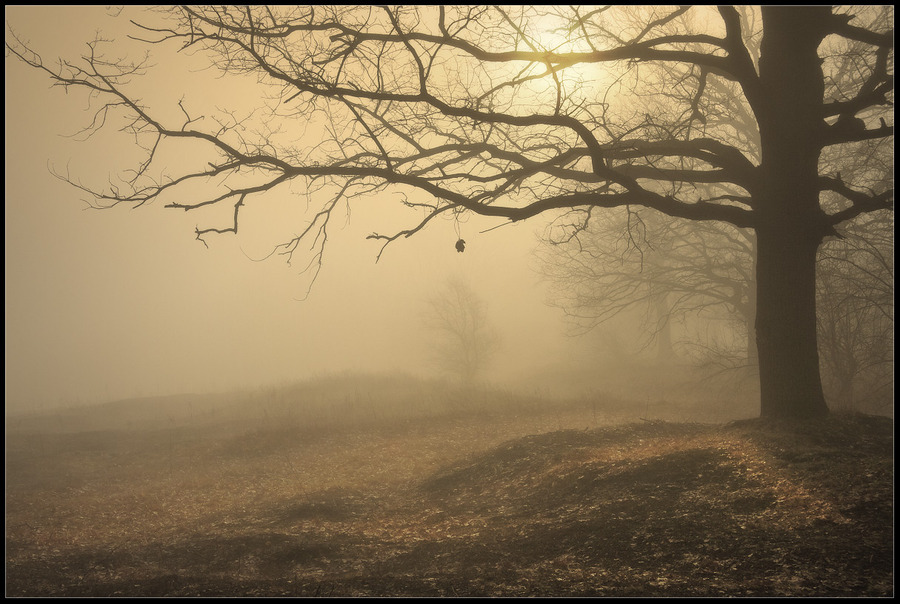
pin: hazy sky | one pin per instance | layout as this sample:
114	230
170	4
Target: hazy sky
109	304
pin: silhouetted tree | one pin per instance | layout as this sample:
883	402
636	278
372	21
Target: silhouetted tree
694	278
489	110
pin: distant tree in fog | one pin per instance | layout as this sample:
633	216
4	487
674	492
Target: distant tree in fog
461	339
518	111
855	288
679	275
855	303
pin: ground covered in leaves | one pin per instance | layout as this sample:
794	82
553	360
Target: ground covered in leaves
503	504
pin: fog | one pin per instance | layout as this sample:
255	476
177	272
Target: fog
295	357
103	305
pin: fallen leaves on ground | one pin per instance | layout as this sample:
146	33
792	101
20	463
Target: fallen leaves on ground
478	507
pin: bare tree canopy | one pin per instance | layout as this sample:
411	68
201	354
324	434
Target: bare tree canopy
514	111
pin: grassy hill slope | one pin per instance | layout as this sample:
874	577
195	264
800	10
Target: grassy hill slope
477	500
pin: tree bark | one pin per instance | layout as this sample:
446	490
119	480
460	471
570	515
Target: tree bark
790	223
790	381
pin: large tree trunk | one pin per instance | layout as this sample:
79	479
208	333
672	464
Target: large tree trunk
790	382
789	220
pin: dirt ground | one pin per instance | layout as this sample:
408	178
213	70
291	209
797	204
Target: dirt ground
488	505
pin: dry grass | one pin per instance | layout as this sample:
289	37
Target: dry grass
505	501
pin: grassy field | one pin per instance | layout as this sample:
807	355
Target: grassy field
392	487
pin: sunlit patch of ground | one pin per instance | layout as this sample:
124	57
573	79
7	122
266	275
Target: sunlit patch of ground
525	504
